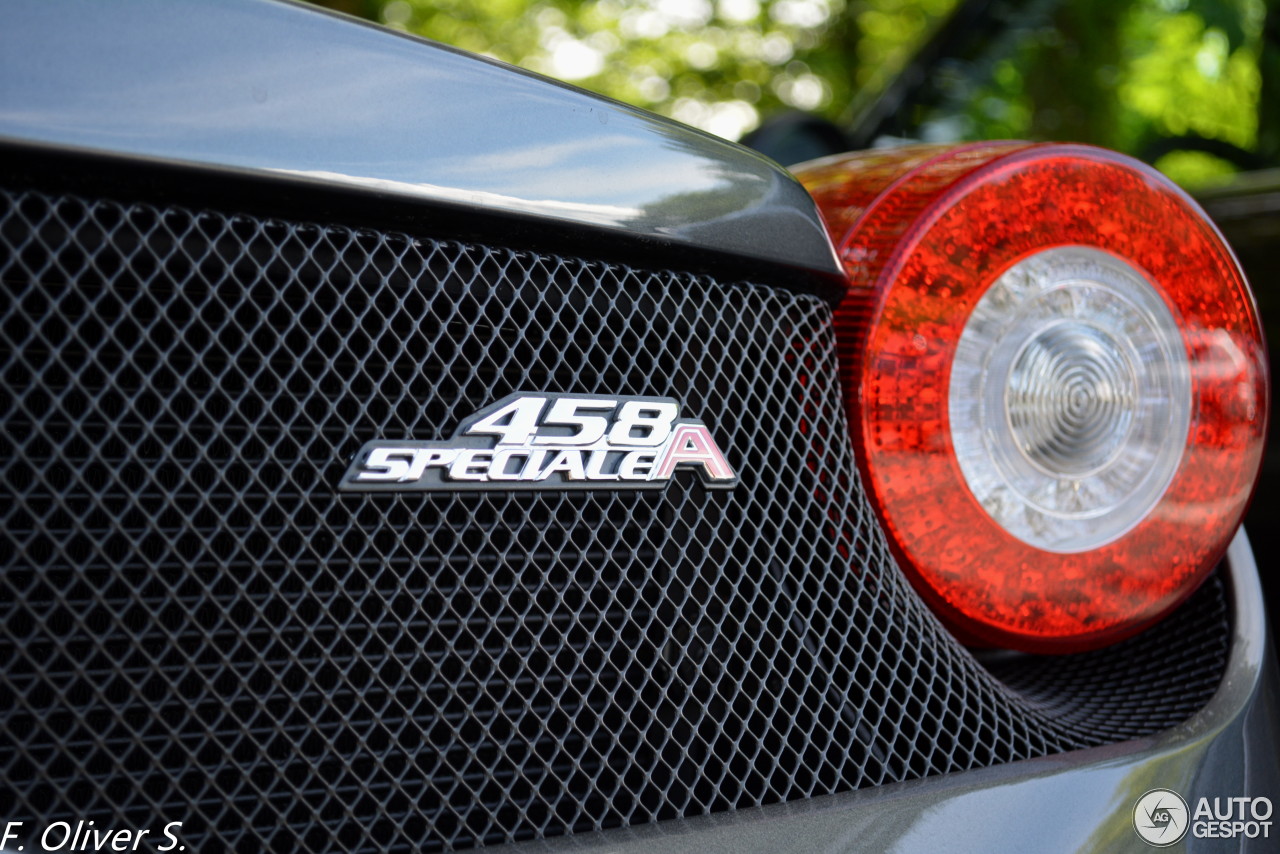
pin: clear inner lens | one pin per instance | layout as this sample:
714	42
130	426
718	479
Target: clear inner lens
1070	399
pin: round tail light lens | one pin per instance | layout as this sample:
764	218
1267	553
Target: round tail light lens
1056	378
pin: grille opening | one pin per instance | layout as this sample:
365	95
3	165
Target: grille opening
195	626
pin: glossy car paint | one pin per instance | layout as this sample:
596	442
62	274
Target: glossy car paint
284	90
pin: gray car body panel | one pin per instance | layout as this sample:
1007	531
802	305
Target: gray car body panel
278	89
1081	801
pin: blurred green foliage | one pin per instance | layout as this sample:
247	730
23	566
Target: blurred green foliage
1181	82
1174	81
715	64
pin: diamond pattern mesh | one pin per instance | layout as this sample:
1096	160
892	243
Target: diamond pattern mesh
195	626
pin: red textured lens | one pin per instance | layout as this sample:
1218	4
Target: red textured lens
1056	379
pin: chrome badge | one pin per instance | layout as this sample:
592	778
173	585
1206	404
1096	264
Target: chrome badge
549	441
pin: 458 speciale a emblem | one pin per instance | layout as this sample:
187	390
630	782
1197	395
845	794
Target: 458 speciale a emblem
550	441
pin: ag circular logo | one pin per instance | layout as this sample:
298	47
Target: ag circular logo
1160	817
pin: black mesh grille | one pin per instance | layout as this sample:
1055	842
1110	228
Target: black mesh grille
195	626
1097	692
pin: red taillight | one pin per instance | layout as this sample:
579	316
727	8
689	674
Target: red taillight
1057	383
